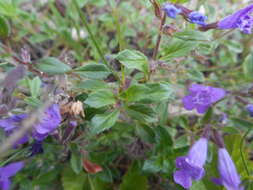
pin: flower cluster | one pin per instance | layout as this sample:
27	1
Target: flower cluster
192	16
241	19
49	121
202	97
191	167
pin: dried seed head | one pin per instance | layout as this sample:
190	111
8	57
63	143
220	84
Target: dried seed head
77	108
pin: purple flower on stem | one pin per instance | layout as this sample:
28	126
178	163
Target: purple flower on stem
228	174
197	18
48	123
171	10
249	108
13	123
191	166
240	19
36	148
7	172
202	97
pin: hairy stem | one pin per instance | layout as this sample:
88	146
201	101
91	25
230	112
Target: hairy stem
159	37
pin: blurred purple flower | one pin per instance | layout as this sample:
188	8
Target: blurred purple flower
7	172
36	148
202	97
249	108
228	174
171	10
240	19
197	18
191	166
48	123
13	123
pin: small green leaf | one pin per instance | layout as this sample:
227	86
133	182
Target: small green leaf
133	59
192	35
196	75
35	85
135	93
92	85
4	27
100	98
35	102
52	65
72	181
93	71
104	121
133	179
76	159
248	67
178	48
142	113
159	92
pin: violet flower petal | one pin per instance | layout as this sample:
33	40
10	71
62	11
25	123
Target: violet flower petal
188	104
231	21
5	184
182	178
12	169
198	152
229	176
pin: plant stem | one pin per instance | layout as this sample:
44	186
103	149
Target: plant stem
95	43
159	37
242	156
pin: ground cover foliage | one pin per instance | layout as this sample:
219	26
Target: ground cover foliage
125	95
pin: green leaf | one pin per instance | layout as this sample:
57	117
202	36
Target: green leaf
104	121
76	159
35	102
100	98
92	85
135	93
133	59
4	27
159	92
35	85
72	181
197	185
52	65
192	35
133	179
142	113
93	71
248	67
196	75
178	48
163	137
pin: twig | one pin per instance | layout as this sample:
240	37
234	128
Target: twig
159	37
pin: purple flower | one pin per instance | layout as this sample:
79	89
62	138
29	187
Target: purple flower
228	174
7	172
50	120
48	123
197	18
249	108
191	166
36	148
13	123
202	97
240	19
171	10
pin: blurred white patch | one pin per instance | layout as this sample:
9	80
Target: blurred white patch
202	10
74	34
